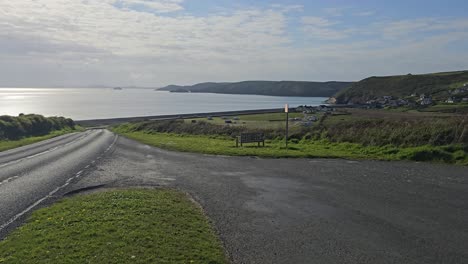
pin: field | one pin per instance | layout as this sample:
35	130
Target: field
459	108
125	226
347	133
257	121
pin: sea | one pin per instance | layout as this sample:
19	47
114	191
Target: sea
98	103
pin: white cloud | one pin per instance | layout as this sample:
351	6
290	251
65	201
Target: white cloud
81	42
365	13
317	21
289	8
159	6
334	11
320	28
396	29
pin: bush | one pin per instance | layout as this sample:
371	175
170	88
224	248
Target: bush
199	128
14	128
406	133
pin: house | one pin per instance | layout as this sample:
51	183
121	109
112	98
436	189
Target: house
393	103
459	90
312	118
465	99
414	95
450	100
425	100
402	102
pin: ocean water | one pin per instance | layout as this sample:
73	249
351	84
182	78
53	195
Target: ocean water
96	103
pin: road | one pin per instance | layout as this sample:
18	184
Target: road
31	174
271	210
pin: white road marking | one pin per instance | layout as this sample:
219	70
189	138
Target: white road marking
44	152
9	180
16	217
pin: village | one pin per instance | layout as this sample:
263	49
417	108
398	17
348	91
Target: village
458	95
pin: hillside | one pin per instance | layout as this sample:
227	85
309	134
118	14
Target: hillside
438	85
283	88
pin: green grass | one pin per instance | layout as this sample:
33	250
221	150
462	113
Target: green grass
11	144
448	108
304	148
126	226
255	121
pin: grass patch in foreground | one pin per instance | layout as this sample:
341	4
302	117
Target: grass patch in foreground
125	226
11	144
219	145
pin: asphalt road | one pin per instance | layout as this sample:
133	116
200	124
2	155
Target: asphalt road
274	210
31	175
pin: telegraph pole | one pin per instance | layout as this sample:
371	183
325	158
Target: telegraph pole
286	110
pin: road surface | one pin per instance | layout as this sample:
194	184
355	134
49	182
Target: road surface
272	210
31	174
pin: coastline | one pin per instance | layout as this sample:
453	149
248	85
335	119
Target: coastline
114	121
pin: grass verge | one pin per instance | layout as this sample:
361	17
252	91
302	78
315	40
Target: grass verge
125	226
219	145
11	144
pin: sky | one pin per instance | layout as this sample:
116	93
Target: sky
152	43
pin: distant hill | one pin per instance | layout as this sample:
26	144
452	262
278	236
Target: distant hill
437	85
283	88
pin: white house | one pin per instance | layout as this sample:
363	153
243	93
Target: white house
426	100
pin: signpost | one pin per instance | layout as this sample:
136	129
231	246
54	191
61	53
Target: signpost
286	110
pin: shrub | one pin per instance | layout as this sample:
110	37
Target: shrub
13	128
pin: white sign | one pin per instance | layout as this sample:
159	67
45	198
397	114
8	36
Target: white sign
286	108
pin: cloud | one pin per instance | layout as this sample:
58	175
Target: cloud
288	8
317	21
334	11
159	6
136	42
320	28
396	29
365	13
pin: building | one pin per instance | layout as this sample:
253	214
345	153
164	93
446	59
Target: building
425	100
450	100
